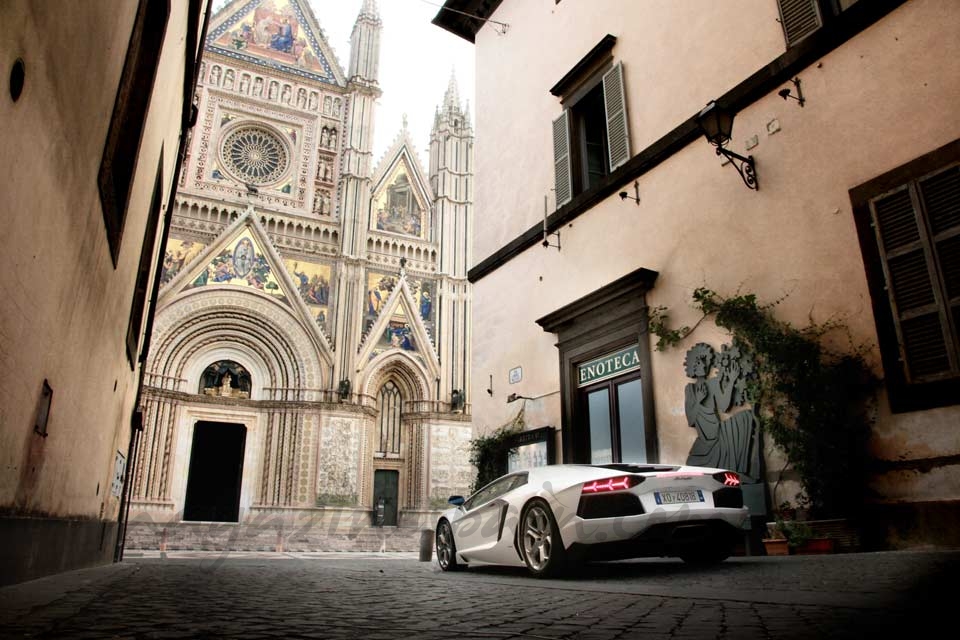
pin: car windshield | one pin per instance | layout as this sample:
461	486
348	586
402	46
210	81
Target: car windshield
495	489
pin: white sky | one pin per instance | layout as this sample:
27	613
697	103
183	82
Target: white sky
416	59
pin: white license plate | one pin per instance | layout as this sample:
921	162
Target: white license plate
678	497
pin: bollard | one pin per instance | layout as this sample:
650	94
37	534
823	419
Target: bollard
426	545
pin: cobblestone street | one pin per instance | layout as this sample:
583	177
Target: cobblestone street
349	595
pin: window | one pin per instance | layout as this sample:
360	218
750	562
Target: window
613	413
801	18
908	221
135	323
591	136
390	401
494	490
119	162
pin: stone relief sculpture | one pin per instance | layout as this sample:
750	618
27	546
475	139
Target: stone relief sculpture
724	442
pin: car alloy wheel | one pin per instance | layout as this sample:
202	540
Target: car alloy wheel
446	548
542	548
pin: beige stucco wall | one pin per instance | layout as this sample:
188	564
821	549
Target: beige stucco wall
65	306
887	96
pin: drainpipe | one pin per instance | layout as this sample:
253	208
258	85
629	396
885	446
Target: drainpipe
188	118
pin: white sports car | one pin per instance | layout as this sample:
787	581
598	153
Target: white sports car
550	518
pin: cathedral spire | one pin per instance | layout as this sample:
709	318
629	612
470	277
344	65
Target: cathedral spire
451	99
370	8
365	44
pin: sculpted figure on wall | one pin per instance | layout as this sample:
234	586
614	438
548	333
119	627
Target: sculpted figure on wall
724	442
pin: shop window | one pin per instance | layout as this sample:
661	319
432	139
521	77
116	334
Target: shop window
614	412
908	221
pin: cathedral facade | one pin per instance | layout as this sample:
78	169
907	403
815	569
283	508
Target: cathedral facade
310	345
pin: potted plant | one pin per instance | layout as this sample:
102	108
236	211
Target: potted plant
790	535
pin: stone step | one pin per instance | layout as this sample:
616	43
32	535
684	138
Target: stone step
239	537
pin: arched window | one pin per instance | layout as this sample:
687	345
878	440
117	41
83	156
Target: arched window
389	401
213	376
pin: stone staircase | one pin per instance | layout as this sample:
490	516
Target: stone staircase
220	536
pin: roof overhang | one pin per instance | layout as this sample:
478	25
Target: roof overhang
451	16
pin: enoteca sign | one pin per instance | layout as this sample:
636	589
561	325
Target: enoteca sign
608	366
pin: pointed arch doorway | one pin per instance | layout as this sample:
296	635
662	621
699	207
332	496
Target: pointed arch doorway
216	470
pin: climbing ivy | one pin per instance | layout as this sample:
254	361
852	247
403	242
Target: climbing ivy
490	453
816	403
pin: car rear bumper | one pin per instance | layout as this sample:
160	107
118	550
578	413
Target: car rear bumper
663	539
662	529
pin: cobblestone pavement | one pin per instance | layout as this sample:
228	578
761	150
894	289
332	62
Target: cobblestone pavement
386	596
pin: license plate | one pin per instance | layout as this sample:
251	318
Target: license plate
678	497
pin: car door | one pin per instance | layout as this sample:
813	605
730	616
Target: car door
478	529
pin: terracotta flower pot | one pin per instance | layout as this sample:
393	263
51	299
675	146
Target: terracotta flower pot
776	546
816	546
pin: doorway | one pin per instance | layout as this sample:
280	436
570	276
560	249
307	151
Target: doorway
216	469
386	485
613	412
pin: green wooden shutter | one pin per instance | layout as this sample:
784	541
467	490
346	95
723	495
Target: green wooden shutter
927	347
618	135
799	19
561	159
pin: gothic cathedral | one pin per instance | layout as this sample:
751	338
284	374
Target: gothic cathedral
310	350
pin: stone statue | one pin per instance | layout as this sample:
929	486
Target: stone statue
225	384
456	401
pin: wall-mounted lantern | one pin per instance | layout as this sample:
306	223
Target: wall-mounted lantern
716	123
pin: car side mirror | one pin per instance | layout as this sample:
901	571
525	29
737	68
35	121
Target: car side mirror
456	500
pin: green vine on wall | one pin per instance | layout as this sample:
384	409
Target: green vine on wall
816	403
490	453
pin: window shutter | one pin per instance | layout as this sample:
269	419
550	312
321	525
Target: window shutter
618	136
561	159
799	19
912	285
941	201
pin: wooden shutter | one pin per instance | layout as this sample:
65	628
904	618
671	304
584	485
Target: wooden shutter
940	194
799	19
618	136
917	288
561	159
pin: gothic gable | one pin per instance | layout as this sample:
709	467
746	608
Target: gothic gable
401	197
399	328
243	258
279	34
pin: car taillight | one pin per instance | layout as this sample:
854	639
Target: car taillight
728	478
611	484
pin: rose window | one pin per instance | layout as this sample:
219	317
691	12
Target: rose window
255	156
